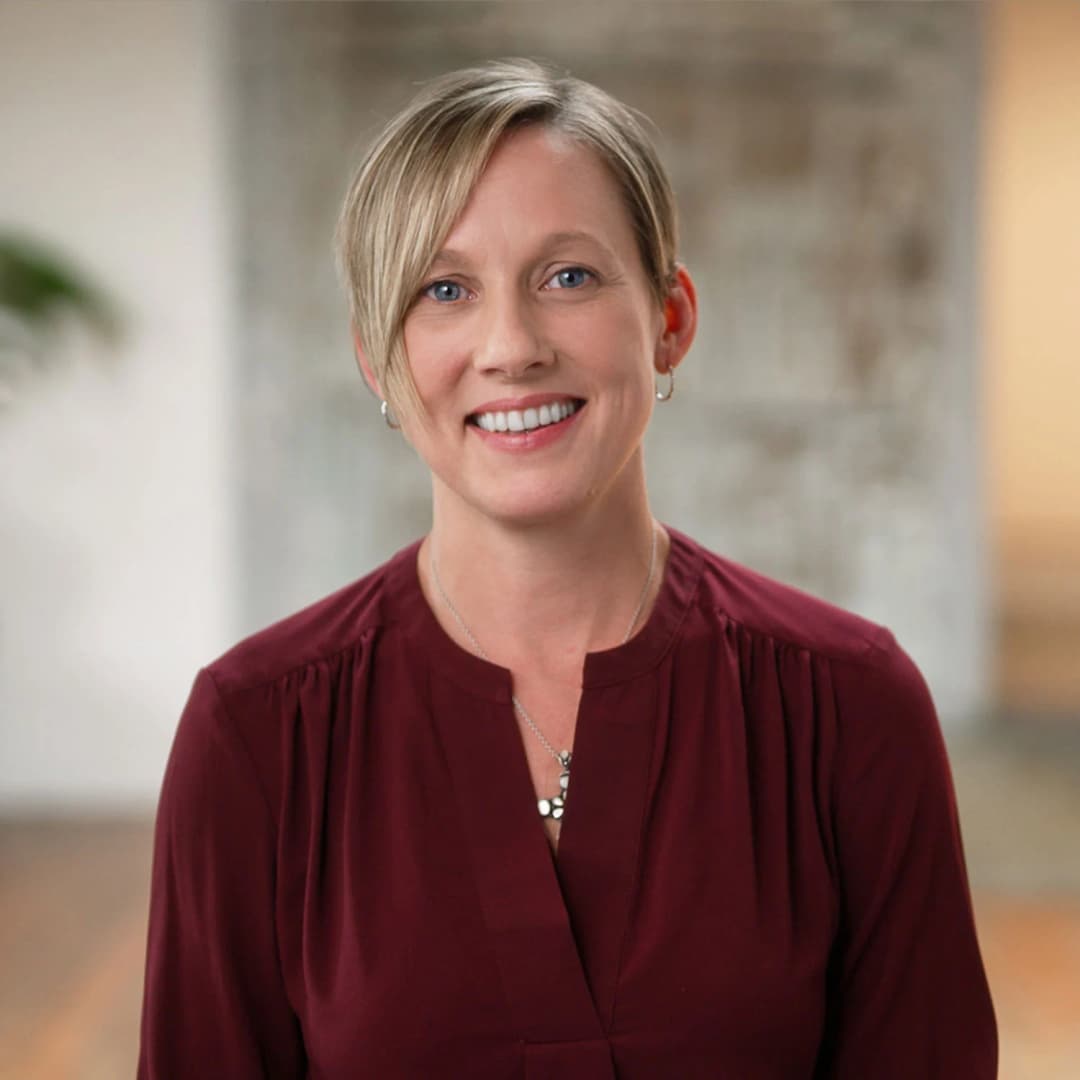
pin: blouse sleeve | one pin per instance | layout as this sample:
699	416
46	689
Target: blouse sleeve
214	1002
908	994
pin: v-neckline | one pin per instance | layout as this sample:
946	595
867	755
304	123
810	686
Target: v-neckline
514	868
556	918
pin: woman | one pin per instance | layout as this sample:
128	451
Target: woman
554	792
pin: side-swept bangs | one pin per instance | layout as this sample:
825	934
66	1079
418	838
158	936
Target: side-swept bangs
418	174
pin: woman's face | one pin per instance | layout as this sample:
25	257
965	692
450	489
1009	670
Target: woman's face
534	341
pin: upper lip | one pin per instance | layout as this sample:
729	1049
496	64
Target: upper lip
518	404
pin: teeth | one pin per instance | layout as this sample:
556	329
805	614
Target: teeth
527	420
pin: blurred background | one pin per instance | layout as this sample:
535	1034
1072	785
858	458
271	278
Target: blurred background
880	206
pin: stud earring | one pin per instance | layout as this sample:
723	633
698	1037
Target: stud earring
666	395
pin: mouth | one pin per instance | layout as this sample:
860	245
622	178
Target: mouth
515	421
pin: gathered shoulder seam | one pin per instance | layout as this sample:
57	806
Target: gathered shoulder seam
320	658
870	644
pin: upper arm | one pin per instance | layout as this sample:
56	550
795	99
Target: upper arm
214	1001
907	991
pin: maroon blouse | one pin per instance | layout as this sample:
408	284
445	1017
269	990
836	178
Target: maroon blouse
760	873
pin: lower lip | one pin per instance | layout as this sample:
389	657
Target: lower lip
521	441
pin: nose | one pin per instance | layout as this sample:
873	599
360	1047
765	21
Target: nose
511	340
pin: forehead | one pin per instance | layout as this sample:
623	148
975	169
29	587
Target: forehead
541	182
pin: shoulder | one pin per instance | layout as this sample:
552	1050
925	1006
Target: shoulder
274	698
869	673
343	620
764	607
873	712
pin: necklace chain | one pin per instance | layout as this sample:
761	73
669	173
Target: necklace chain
562	757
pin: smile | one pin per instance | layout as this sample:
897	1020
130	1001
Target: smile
520	420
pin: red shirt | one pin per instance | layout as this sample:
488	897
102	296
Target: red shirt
760	873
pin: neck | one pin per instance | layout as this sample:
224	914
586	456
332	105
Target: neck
547	593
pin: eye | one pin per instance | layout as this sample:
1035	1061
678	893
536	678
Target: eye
445	292
570	277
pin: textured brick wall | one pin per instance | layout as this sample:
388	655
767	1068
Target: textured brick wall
824	428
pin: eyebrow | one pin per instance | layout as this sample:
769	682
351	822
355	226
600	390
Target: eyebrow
451	257
559	239
448	257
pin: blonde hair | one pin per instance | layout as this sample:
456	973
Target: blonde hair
418	174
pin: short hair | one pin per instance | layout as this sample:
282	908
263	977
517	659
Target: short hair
418	174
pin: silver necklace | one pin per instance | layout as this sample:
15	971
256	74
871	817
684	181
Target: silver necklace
556	805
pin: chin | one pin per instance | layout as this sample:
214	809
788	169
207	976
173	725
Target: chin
520	509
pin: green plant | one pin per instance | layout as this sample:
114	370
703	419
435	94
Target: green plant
40	290
38	287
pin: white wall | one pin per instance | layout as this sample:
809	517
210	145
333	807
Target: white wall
113	532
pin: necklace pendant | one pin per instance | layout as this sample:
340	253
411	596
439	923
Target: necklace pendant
555	807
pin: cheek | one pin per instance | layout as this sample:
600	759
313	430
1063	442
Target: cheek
429	358
623	355
611	338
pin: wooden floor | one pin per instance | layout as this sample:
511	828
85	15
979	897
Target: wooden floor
73	898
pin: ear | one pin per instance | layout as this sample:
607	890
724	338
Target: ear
680	322
365	367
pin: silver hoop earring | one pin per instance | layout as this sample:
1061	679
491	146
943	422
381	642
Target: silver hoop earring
388	416
666	396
